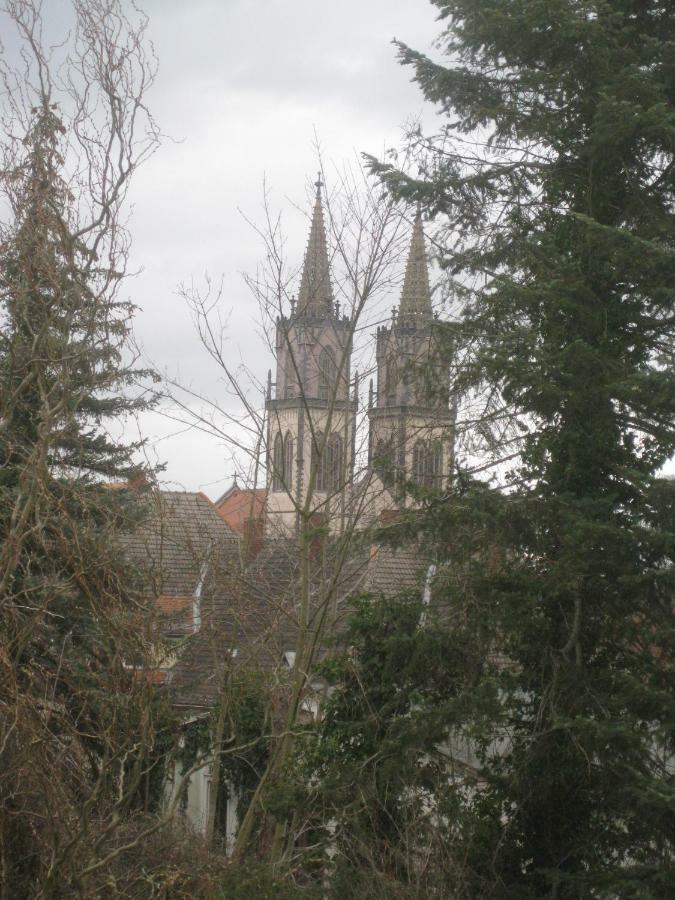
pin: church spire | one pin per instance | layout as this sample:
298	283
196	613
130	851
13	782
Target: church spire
416	294
315	297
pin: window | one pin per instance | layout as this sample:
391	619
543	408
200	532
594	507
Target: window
318	463
278	464
419	462
383	460
391	381
383	453
327	371
282	463
329	466
435	465
334	463
427	463
288	460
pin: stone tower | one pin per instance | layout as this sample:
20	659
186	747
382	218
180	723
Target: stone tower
310	415
411	423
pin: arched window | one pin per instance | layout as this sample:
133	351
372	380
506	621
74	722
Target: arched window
383	453
435	465
327	371
327	461
278	464
334	463
383	460
288	460
427	464
419	462
391	381
318	459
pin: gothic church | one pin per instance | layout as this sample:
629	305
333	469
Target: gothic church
312	404
236	604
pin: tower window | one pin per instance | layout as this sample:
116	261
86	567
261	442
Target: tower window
288	460
327	461
327	372
435	465
334	463
427	463
419	462
282	462
318	457
278	464
383	460
391	381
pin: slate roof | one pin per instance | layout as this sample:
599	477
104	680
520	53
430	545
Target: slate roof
256	613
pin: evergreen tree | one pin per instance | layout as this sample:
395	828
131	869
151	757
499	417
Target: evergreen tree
559	230
64	329
77	728
378	766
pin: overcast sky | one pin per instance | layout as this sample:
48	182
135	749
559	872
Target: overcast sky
243	87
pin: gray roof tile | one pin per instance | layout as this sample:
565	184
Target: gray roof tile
256	612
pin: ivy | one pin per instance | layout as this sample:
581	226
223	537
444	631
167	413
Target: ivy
246	742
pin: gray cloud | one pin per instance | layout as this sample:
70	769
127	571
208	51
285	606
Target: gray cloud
243	87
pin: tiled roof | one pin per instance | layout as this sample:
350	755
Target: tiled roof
257	613
176	615
239	504
181	533
392	571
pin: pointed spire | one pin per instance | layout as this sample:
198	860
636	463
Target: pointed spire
315	297
416	294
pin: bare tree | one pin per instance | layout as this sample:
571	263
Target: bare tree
320	492
78	721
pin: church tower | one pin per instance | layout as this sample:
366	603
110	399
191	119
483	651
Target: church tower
310	415
411	423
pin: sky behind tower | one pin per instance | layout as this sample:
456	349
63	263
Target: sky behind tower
244	91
